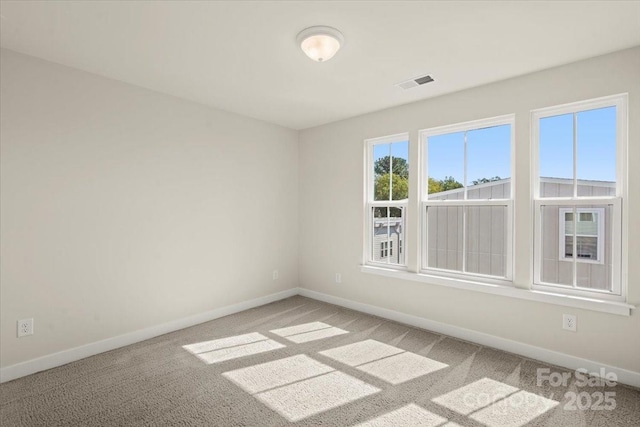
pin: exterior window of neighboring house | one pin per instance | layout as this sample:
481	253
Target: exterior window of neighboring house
589	234
387	181
384	249
579	178
467	203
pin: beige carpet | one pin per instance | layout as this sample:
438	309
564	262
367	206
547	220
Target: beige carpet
303	362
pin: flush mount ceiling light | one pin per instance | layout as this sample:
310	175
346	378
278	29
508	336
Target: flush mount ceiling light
320	43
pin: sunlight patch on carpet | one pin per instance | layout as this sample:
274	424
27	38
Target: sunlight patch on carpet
298	387
496	404
308	332
389	363
515	411
229	348
410	415
265	376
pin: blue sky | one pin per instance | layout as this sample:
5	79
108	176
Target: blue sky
488	153
596	145
489	149
398	149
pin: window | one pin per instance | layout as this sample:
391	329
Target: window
589	233
466	204
465	237
579	182
386	249
387	177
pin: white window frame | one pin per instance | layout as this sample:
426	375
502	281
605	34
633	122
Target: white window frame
599	237
370	203
425	202
619	215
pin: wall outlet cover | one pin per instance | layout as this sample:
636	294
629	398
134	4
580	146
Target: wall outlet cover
25	327
569	322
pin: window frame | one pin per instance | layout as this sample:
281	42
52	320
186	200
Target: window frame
370	203
425	202
523	204
619	220
600	236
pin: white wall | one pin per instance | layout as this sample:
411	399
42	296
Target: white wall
123	208
331	198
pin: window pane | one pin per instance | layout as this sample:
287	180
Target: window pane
486	240
556	156
586	247
588	230
597	152
400	153
445	165
593	246
555	270
444	237
587	227
391	171
489	162
587	216
387	235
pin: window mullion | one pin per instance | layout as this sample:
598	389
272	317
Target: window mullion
574	252
464	238
390	173
464	183
574	265
575	154
388	225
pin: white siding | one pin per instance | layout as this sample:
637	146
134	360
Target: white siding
486	234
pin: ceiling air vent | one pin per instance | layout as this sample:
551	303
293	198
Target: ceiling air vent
418	81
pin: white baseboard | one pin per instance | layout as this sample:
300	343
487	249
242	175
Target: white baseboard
544	355
538	353
66	356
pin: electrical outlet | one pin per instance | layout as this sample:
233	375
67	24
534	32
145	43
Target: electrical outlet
276	274
569	322
338	278
25	327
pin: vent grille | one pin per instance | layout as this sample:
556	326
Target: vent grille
415	82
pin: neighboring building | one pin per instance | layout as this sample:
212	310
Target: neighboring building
486	228
387	240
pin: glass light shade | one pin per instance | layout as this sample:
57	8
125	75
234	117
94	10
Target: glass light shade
320	43
320	48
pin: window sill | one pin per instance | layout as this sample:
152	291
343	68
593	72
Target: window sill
594	304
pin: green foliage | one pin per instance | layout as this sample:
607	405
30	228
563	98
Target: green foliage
485	180
400	167
448	183
399	184
435	186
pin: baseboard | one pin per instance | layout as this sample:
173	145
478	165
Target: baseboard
544	355
66	356
538	353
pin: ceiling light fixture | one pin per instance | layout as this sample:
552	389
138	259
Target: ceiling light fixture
320	43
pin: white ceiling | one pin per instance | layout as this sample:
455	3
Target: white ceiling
242	57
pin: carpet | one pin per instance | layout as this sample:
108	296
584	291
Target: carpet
303	362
